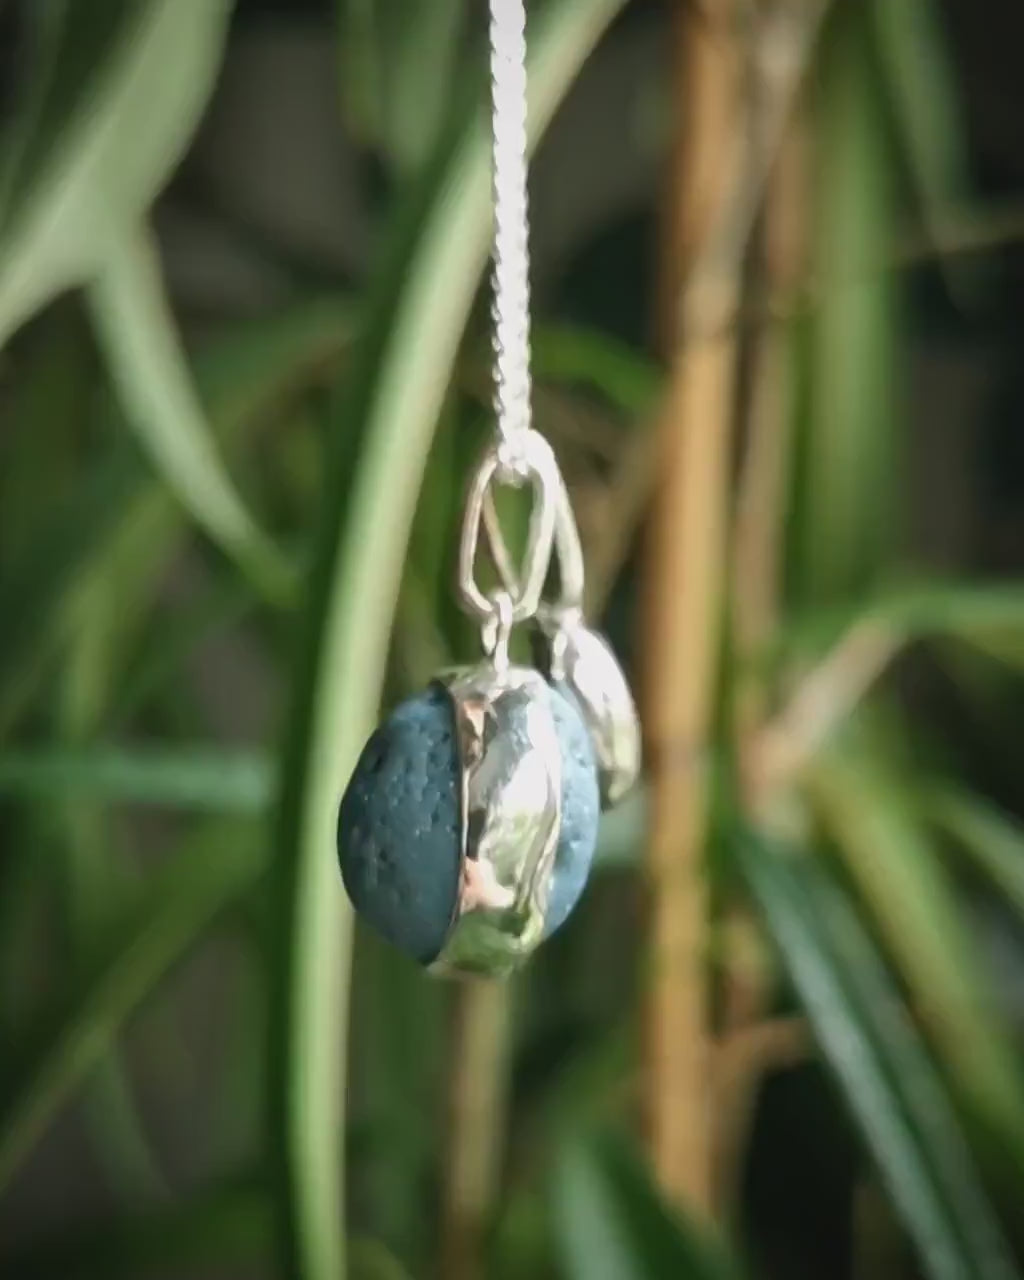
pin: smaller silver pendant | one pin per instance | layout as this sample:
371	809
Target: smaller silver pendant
573	655
511	788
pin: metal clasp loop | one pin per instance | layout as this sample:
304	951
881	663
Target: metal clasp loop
536	465
567	547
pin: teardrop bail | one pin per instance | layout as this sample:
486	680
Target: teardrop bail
566	547
536	465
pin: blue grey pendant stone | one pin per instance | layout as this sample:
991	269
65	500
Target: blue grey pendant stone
399	823
581	811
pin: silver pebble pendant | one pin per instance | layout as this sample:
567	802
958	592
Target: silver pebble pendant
467	830
510	788
583	661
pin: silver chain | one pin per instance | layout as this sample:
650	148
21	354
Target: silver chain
520	454
510	305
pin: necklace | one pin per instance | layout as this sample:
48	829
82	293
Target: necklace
468	828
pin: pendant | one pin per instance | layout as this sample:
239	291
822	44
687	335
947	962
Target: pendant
468	829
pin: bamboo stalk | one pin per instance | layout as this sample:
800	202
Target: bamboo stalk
716	187
682	612
476	1086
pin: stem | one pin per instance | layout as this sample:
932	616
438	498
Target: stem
684	597
477	1081
824	698
682	616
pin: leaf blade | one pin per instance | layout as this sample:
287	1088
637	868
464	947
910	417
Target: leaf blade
903	884
991	838
847	458
398	63
981	614
176	906
104	149
919	77
195	778
137	333
882	1068
572	353
117	514
612	1225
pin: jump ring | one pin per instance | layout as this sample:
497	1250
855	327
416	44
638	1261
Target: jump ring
497	630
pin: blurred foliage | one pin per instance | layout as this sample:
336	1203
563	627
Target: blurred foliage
226	535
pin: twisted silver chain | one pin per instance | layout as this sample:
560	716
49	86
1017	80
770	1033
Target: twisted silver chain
510	305
520	454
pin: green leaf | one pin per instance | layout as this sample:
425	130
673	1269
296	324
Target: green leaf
886	1076
177	905
428	620
989	616
971	611
244	378
848	457
902	881
623	376
396	391
399	60
119	522
1005	647
993	840
399	1038
137	333
195	778
611	1224
369	1260
128	82
921	82
93	890
584	1085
